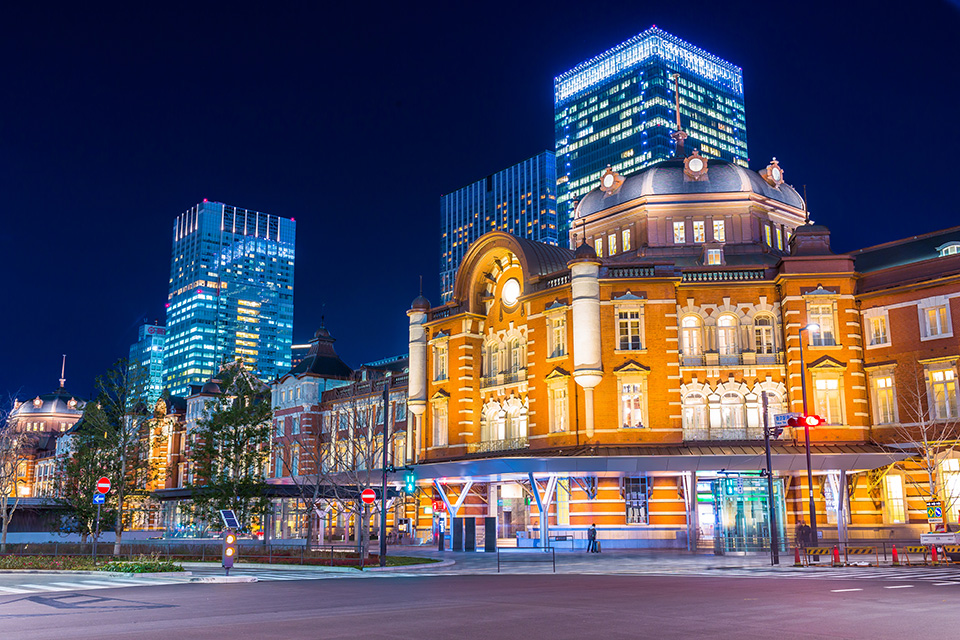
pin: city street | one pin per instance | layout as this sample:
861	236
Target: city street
490	606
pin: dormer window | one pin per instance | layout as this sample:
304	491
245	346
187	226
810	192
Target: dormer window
949	249
714	257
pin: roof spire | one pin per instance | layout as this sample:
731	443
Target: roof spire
680	135
806	212
63	369
421	284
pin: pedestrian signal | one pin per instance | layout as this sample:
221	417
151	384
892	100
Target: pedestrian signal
410	482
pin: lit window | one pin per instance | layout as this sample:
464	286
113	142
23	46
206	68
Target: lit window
295	460
679	232
626	239
440	362
878	331
612	244
779	239
943	387
763	334
822	315
598	247
699	231
883	400
691	342
559	415
828	400
719	231
629	330
714	257
694	416
766	235
558	337
894	503
632	404
727	335
440	424
635	499
936	320
950	249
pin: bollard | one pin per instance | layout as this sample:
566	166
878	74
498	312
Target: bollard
836	556
796	557
896	558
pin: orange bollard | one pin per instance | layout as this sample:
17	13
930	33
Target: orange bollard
796	557
896	558
836	556
933	553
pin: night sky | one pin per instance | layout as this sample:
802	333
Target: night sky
354	118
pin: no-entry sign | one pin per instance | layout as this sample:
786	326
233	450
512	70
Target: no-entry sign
368	496
103	485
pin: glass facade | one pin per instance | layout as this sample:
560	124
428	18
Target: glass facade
146	363
617	109
520	200
231	294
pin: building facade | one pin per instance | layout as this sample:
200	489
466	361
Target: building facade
628	383
231	294
520	200
146	363
618	109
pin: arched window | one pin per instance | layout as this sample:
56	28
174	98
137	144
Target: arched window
763	334
694	416
732	416
727	335
514	355
691	336
492	362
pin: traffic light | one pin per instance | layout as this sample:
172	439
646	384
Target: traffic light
805	421
229	549
410	482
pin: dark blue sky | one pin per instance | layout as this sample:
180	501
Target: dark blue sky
355	118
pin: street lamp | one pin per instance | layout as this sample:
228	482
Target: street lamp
806	432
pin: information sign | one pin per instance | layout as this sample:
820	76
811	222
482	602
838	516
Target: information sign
934	512
783	419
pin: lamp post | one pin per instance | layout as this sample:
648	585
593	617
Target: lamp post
806	432
383	484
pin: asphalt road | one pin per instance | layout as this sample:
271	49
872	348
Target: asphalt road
552	607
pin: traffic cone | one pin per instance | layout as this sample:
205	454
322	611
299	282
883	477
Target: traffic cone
896	558
836	556
933	552
796	557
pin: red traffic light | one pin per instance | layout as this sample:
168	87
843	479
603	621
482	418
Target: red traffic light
805	421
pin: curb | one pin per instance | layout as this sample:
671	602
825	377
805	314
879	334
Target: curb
223	579
278	567
409	567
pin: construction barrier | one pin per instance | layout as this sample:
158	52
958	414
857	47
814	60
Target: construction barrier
861	551
827	552
915	551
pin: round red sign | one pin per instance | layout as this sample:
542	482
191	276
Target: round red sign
103	485
368	496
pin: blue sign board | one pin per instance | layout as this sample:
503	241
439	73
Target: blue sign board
99	498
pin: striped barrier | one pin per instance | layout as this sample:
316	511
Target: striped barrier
915	551
826	552
861	551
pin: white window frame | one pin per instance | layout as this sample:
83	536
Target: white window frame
832	382
714	257
720	230
637	384
699	231
871	317
817	338
679	232
440	423
894	499
630	323
612	244
557	335
695	417
944	321
559	401
598	246
728	336
942	379
883	386
761	330
441	361
686	332
625	237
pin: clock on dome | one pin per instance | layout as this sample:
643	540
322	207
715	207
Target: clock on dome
773	174
610	181
510	292
695	166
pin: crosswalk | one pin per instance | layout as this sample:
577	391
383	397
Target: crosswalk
81	584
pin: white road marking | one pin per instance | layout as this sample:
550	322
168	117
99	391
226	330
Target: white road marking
13	590
943	584
41	587
900	586
71	585
843	590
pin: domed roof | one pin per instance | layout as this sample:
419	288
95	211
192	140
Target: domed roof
211	387
60	402
584	253
668	178
420	303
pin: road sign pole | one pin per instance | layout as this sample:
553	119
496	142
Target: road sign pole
383	488
771	501
96	534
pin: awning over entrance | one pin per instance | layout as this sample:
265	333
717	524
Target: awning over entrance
620	461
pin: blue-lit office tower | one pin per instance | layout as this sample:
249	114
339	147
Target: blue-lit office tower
231	294
146	363
520	200
618	109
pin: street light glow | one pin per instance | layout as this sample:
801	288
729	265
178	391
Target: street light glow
813	326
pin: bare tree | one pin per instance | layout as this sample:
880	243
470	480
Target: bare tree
929	426
14	445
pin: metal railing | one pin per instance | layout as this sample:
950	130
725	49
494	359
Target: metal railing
503	378
508	444
630	272
722	276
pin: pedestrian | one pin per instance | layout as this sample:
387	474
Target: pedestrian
803	534
592	539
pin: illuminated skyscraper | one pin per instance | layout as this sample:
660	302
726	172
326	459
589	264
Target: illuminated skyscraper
520	200
146	363
617	109
231	294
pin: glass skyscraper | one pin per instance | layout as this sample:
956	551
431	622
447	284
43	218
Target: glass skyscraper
146	363
617	109
231	294
520	200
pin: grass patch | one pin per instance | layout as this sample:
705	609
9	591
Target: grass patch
400	561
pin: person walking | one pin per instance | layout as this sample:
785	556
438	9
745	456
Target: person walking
592	539
803	534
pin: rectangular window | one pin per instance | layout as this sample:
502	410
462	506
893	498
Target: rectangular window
699	231
719	231
631	405
295	460
626	239
894	503
828	400
280	430
278	465
612	244
951	483
558	337
779	239
767	237
635	496
440	362
598	247
821	314
440	424
629	330
878	331
936	321
883	400
679	232
714	257
559	412
943	386
296	425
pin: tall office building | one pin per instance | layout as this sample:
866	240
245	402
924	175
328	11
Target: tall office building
231	294
617	109
520	200
146	363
